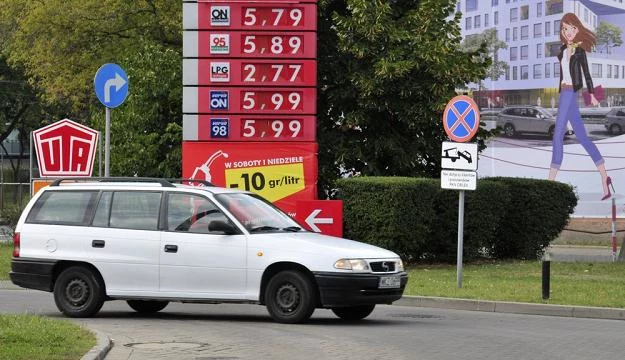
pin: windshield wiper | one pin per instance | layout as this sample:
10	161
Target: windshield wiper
292	228
263	228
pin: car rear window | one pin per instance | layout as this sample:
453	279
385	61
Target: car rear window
63	207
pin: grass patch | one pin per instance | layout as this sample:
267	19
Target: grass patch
584	284
6	250
30	337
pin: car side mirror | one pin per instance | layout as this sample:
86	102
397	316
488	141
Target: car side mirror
222	226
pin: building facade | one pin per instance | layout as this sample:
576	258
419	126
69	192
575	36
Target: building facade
530	28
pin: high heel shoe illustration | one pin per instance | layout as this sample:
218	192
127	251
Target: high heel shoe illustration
608	183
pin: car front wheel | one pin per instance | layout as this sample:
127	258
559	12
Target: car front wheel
78	292
352	313
290	297
615	129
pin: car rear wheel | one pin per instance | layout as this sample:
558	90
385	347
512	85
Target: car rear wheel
352	313
79	292
615	129
509	130
147	307
290	297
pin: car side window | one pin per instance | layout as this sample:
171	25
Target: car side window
135	210
620	113
63	207
101	218
192	213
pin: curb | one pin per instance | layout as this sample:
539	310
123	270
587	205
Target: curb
512	307
102	347
8	285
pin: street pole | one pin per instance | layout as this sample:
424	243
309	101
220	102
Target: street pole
460	238
107	143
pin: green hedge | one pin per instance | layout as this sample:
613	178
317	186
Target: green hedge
503	218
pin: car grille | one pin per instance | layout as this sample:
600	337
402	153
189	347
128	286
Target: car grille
382	266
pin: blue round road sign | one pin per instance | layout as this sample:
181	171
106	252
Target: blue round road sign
111	85
461	118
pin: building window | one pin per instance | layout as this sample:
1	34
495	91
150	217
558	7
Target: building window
547	70
547	28
468	23
496	18
477	21
597	71
524	72
507	34
586	15
471	5
514	14
538	71
539	9
525	29
525	12
609	71
539	50
486	22
538	30
494	3
553	49
556	70
556	27
514	73
616	71
524	52
515	34
554	7
514	53
507	73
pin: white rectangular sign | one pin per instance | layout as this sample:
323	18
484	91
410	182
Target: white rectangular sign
458	180
459	156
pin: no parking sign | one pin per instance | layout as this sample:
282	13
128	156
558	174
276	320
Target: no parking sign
461	118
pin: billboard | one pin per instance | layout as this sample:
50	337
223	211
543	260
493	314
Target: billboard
281	173
556	124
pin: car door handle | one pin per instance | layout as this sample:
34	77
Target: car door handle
171	248
97	243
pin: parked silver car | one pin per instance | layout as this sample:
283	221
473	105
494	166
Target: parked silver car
615	121
527	119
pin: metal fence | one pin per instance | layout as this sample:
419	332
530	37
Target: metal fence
13	194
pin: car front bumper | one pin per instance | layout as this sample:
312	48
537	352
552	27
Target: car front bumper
337	289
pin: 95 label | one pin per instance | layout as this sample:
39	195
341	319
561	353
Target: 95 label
219	128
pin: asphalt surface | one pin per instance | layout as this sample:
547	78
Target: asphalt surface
555	253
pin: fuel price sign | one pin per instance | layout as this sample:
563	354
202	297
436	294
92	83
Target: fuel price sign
250	72
299	128
273	15
246	44
264	100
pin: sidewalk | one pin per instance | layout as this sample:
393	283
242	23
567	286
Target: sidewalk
572	253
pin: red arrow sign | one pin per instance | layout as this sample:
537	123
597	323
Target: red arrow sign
322	216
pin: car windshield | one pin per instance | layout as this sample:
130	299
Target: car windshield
257	214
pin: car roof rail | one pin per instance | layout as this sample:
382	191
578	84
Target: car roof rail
162	182
196	181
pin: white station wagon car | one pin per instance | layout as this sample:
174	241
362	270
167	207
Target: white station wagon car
152	241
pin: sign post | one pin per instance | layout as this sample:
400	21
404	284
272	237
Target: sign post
111	88
461	120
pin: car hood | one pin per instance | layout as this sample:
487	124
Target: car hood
314	243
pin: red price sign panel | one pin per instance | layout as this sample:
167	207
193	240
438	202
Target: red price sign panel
252	127
263	100
283	173
250	72
245	44
271	15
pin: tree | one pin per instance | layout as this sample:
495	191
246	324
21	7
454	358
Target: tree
608	35
62	43
387	69
488	42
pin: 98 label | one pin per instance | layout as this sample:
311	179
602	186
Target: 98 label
219	128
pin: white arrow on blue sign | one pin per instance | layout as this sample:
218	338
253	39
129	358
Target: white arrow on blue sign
111	85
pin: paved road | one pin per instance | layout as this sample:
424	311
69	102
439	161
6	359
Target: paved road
202	332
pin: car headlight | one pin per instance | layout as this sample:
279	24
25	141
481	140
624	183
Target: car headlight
351	264
400	265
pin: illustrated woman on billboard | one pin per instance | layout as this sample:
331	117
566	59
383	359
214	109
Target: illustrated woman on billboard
576	41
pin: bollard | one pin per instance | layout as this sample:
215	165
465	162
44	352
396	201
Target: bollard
546	280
